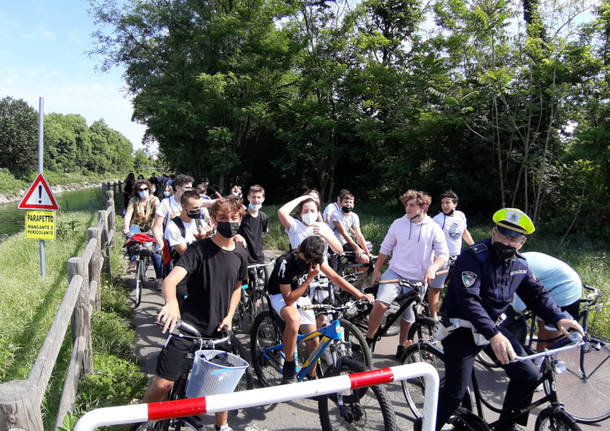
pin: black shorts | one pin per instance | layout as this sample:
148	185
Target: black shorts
175	357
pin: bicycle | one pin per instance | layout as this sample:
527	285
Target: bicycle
364	408
179	389
253	293
424	327
142	246
553	417
587	369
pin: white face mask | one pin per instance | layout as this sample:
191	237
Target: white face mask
309	218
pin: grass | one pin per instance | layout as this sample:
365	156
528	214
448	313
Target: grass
28	302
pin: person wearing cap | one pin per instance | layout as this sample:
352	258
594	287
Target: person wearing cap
486	277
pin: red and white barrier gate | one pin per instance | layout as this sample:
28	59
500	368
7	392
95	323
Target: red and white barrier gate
275	394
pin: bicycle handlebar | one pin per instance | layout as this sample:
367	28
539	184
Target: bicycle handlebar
186	330
331	307
403	282
575	338
260	265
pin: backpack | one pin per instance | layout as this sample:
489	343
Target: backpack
169	254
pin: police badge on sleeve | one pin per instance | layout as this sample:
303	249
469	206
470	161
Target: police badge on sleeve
468	278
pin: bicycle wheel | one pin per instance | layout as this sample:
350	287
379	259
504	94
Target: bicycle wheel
555	419
267	365
360	409
360	349
586	399
176	424
423	329
140	277
247	381
414	389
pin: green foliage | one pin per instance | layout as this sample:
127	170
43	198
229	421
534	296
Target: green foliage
8	182
112	335
18	136
71	148
113	381
494	99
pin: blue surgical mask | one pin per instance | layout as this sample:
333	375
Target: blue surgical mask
255	207
143	194
166	193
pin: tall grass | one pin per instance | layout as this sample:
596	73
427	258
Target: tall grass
28	303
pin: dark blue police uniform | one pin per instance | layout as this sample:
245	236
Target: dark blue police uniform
480	291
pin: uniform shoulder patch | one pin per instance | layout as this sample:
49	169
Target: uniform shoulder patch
468	278
478	248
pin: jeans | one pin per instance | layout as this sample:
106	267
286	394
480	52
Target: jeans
156	257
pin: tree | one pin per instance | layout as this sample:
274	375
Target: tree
18	136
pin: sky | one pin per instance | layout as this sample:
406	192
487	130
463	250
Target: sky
43	46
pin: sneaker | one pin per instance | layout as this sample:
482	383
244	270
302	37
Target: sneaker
289	372
224	427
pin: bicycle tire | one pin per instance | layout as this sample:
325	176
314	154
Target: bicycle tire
237	348
573	389
265	333
414	389
555	419
368	408
140	273
361	352
423	329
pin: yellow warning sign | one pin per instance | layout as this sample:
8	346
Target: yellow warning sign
40	224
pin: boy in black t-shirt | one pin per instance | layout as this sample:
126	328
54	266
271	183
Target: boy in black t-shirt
287	286
217	269
254	224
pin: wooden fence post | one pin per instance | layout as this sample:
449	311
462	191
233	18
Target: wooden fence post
81	319
95	267
20	406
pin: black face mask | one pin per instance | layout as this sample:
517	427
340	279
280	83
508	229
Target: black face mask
228	229
449	213
302	266
194	214
502	252
346	210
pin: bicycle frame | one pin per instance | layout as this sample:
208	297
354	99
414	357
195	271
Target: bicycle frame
547	378
329	334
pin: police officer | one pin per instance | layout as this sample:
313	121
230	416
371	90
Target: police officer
481	289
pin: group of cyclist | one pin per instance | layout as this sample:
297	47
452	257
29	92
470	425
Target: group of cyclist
212	251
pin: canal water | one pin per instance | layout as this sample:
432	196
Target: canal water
13	219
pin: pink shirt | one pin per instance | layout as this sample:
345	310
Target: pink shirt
414	246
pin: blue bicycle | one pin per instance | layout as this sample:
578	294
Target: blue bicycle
364	408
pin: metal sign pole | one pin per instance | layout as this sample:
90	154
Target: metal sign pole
40	169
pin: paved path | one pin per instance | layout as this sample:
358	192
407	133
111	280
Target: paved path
301	414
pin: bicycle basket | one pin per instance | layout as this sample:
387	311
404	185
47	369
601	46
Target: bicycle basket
215	372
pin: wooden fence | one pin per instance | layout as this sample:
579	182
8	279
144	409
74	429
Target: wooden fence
21	400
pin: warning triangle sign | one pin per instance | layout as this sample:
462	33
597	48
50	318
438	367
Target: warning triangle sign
39	196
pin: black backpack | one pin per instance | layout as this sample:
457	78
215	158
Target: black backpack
173	253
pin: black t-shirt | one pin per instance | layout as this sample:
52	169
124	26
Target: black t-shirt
252	229
286	271
213	274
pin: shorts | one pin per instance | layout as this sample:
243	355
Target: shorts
308	317
173	360
439	280
389	292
